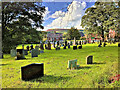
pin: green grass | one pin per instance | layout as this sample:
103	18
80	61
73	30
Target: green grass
55	68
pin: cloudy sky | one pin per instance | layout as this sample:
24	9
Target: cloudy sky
64	14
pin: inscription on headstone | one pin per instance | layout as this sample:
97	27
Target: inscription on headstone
89	59
32	71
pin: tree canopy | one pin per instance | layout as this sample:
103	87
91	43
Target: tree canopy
19	23
101	18
73	33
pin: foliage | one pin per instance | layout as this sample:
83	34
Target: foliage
19	23
73	33
101	18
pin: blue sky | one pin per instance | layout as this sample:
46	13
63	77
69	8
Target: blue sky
64	14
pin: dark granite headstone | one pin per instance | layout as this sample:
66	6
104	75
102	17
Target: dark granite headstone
27	48
99	45
79	42
64	47
31	47
80	47
32	71
26	52
65	43
74	47
49	46
68	46
118	44
104	44
34	53
41	46
89	59
57	48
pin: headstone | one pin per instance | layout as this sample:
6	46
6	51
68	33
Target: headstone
68	46
118	44
26	52
79	42
74	47
27	48
74	43
57	43
20	54
99	45
32	71
31	47
34	53
71	43
13	52
54	44
72	64
104	44
37	48
89	59
64	47
80	47
49	46
57	48
41	46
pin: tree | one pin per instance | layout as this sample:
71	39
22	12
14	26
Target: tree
19	22
101	18
73	33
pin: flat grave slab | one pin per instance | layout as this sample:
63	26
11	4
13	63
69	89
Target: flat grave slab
32	71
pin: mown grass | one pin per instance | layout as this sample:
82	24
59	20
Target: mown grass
55	68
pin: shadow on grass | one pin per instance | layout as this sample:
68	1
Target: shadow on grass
99	63
84	67
50	79
3	64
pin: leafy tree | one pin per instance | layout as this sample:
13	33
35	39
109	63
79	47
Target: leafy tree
19	23
101	18
73	33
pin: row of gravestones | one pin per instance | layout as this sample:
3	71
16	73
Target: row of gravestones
20	53
36	70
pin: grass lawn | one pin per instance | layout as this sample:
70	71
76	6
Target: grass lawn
55	68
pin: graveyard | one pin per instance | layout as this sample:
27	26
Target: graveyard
56	71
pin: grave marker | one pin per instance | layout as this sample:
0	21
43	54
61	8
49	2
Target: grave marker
41	51
27	48
64	47
74	47
20	54
13	52
32	71
72	64
57	48
118	44
26	52
80	47
34	53
89	59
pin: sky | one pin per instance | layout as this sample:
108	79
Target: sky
64	15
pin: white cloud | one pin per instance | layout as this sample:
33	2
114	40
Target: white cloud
70	18
46	14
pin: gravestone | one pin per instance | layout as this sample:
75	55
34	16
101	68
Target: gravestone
80	47
34	53
64	47
71	43
74	47
13	52
74	43
25	52
79	42
37	48
65	43
32	71
41	51
99	45
57	43
104	44
27	48
49	46
89	59
118	44
20	54
41	46
31	47
72	64
68	46
57	48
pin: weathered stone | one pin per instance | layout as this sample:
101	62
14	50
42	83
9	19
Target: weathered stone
20	54
72	64
34	53
13	52
25	52
32	71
